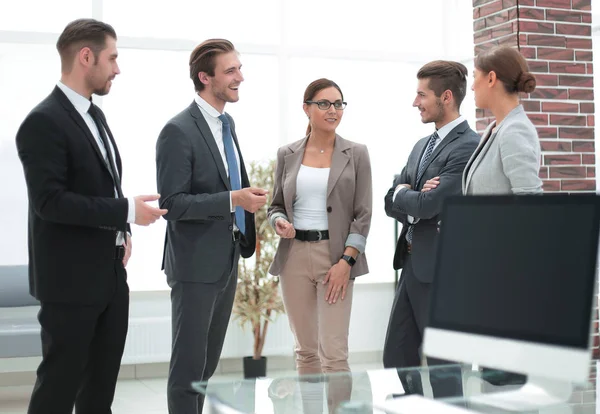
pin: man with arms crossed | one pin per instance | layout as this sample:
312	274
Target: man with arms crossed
441	88
78	228
201	174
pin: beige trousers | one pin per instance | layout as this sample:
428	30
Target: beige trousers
320	329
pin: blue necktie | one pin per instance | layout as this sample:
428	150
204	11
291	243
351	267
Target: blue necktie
428	151
234	170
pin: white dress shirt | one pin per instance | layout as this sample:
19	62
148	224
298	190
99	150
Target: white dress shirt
82	105
442	133
211	115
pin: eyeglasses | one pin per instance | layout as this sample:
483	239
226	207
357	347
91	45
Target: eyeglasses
324	105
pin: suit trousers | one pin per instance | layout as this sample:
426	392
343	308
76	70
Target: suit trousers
82	348
405	336
200	315
320	329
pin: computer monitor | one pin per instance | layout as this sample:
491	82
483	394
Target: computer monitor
514	288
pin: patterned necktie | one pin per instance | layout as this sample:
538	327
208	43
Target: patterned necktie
428	151
93	111
234	171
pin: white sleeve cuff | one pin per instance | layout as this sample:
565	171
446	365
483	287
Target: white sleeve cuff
231	207
131	210
400	188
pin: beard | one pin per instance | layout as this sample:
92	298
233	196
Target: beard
224	95
437	114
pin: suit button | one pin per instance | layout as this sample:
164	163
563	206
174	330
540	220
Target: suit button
230	227
329	209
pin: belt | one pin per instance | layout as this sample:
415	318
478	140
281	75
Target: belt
119	252
312	235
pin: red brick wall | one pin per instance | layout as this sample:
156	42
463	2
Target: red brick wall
556	38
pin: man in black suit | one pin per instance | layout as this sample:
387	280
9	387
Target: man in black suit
203	181
78	228
443	156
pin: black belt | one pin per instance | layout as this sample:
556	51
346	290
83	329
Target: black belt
119	252
312	235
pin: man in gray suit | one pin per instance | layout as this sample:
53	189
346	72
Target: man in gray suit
441	88
203	181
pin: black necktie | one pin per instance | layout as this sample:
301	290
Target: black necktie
93	111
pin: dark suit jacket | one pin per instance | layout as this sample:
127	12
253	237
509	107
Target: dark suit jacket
73	212
447	161
194	187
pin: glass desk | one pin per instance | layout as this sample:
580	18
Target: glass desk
374	392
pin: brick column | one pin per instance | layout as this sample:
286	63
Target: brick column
556	38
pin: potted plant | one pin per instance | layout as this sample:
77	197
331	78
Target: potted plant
257	299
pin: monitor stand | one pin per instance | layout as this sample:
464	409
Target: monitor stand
536	393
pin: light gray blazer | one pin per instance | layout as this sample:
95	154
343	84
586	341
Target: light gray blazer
349	199
507	160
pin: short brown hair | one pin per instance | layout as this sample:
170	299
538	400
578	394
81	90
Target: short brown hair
510	67
317	86
203	57
446	75
82	33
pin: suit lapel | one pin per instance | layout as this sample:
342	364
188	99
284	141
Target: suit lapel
210	142
420	148
339	159
64	101
293	162
482	148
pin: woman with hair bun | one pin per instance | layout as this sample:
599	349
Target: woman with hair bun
507	160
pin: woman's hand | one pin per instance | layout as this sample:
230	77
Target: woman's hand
284	228
337	278
431	184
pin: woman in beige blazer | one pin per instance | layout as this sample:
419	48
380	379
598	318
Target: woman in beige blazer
321	209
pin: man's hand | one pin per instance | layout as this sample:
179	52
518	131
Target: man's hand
403	185
249	198
337	277
127	250
145	214
431	184
284	228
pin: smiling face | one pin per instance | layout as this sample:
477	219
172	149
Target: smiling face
223	86
324	120
429	105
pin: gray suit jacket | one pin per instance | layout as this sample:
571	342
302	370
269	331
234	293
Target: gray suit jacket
507	160
194	187
349	199
447	161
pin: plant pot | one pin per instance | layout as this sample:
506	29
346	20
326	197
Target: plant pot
254	368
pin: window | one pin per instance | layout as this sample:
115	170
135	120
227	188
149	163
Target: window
372	52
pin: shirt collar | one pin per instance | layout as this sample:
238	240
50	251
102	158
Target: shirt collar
206	107
443	131
81	103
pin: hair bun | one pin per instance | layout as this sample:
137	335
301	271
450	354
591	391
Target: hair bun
526	82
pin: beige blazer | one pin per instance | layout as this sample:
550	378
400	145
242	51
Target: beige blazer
349	199
506	161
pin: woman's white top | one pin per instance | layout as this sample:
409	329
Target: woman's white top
310	203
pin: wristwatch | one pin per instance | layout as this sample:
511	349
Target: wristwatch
349	259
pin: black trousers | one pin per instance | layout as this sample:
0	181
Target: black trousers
200	316
405	336
82	348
